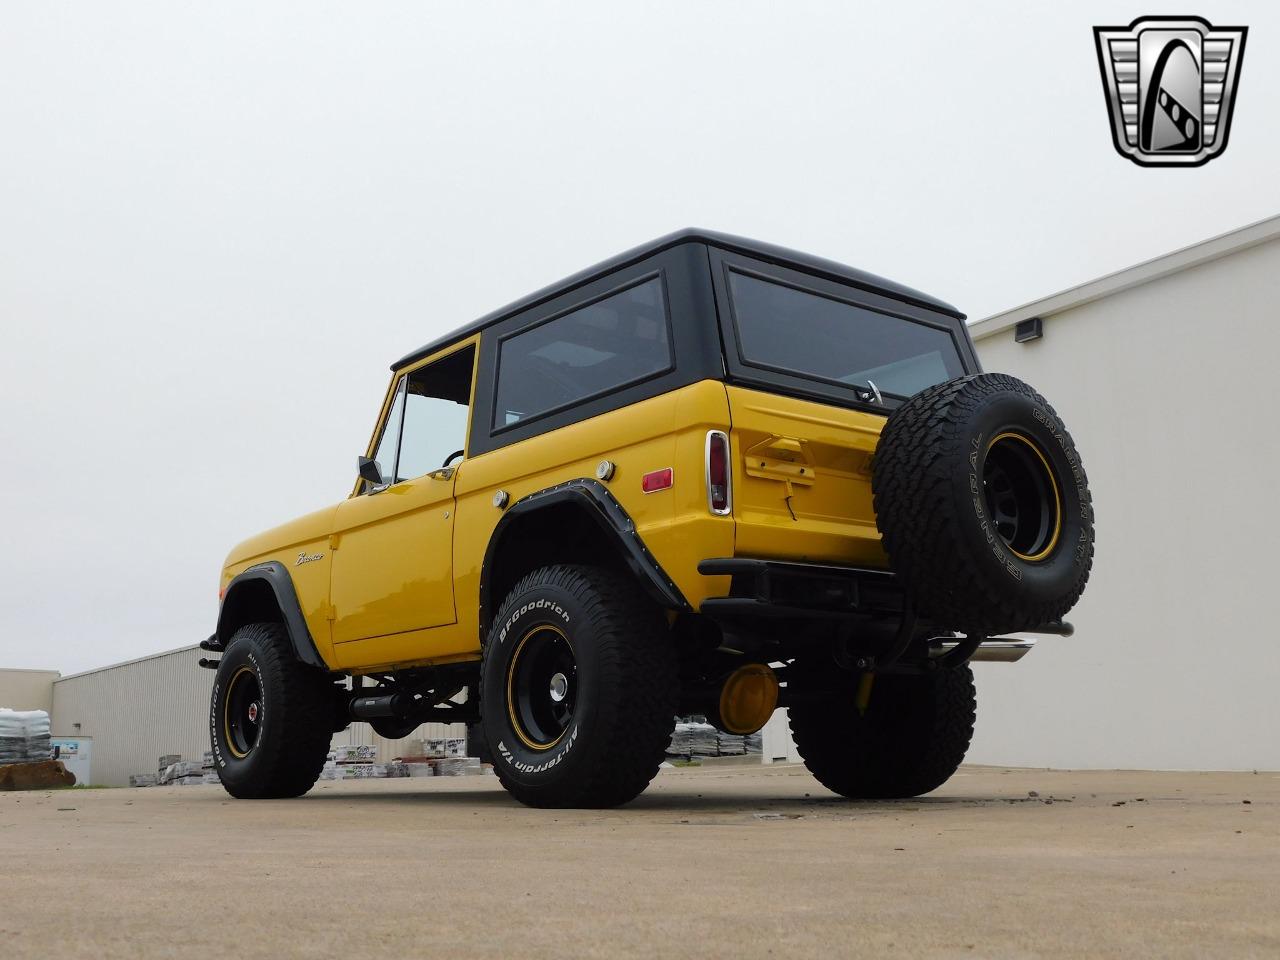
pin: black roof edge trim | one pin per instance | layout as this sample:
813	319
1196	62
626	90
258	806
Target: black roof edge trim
768	252
605	510
277	577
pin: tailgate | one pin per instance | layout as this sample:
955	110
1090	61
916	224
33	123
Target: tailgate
802	479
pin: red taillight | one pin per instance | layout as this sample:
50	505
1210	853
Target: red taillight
657	480
718	498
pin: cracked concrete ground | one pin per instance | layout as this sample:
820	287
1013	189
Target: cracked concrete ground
713	862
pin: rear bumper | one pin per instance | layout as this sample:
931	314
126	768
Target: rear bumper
788	590
785	589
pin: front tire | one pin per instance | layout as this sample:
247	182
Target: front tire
270	716
911	738
579	689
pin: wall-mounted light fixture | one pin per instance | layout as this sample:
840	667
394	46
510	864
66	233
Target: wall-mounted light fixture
1028	330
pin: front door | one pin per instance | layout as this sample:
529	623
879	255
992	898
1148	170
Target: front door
393	541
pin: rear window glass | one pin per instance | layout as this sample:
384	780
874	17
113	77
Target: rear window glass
808	335
595	349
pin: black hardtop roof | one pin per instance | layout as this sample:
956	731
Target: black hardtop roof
752	248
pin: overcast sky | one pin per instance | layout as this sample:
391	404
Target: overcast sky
219	223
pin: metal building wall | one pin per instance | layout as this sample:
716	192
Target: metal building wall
136	712
140	710
27	689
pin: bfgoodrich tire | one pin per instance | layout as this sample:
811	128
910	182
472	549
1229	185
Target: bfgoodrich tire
579	689
910	739
270	717
984	506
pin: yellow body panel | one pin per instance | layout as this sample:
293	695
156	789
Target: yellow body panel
392	560
302	545
393	579
675	525
802	479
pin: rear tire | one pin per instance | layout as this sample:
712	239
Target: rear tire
912	737
270	716
578	689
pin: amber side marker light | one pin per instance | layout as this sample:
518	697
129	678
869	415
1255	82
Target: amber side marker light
657	480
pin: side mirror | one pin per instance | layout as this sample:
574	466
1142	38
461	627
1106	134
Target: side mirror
369	470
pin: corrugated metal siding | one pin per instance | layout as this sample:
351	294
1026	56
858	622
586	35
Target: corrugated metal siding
138	711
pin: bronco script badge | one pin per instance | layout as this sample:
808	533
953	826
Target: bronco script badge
1170	84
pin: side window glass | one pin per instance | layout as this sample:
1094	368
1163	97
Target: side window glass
604	346
385	453
436	412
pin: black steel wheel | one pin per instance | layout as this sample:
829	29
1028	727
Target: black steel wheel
242	713
578	688
542	681
270	717
1022	495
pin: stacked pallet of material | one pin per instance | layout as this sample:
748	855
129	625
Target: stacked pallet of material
354	753
693	737
458	767
24	736
143	779
183	773
730	744
356	761
443	747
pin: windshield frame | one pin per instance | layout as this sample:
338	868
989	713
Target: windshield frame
814	386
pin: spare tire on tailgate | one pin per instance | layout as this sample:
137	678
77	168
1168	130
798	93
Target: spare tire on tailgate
983	506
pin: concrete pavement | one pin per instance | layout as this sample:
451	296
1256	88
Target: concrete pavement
726	862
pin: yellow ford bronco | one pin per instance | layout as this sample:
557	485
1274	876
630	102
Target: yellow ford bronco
707	476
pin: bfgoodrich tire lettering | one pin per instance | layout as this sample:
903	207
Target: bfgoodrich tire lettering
966	566
606	652
291	716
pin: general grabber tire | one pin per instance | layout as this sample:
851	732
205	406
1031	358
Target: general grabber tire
578	689
983	506
910	740
270	717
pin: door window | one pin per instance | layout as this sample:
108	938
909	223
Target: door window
427	425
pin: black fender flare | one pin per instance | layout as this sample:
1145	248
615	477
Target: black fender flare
614	522
276	576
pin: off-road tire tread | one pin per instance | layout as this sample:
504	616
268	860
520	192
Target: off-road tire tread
639	682
294	757
916	511
912	739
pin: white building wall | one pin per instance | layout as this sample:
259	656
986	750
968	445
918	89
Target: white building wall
1169	392
27	689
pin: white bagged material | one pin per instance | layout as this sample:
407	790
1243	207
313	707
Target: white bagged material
24	736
